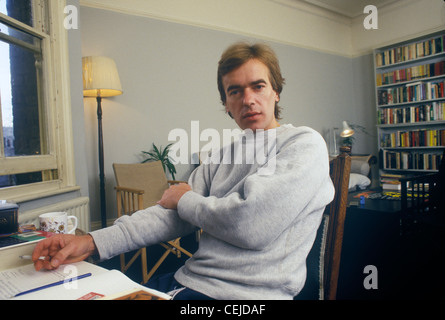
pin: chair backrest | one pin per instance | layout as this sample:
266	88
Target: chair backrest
422	196
323	261
340	172
148	177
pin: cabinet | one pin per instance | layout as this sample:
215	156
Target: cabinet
410	97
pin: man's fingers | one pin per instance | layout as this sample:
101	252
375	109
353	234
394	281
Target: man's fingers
173	194
41	249
63	254
55	250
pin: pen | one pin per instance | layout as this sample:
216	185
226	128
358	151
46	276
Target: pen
54	284
28	257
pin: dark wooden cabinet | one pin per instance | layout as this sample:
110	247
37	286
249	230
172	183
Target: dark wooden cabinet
406	268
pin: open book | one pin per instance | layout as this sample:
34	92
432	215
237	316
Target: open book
102	283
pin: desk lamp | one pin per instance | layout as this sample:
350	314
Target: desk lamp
345	133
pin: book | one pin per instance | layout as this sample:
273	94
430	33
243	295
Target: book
391	181
101	284
411	160
411	51
431	112
135	294
19	239
402	75
391	186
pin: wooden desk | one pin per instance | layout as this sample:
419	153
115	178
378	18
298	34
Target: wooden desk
371	237
18	274
406	270
10	256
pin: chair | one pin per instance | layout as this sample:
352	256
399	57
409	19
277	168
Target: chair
323	261
140	186
422	198
422	232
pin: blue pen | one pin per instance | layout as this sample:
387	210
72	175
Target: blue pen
53	284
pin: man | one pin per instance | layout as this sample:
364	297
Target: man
257	228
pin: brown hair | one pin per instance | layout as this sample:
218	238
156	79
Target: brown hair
238	54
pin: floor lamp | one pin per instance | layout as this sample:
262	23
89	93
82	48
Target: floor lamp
100	80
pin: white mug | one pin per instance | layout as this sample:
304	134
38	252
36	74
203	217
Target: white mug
57	222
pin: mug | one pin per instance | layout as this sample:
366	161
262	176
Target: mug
57	222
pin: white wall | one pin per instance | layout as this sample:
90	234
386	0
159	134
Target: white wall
285	21
167	56
168	74
399	21
293	22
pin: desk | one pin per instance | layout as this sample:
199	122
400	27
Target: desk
372	237
17	275
9	256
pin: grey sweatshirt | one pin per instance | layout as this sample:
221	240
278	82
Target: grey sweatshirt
259	219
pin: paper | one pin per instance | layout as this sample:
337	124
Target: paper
105	284
101	283
16	280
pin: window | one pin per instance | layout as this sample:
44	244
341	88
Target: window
36	156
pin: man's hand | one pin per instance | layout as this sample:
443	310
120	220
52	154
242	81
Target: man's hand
171	196
62	249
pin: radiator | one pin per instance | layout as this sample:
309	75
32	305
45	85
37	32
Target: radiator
78	207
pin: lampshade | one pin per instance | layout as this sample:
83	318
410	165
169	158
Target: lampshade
100	77
347	131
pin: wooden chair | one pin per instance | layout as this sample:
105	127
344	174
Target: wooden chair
422	233
423	202
323	262
140	186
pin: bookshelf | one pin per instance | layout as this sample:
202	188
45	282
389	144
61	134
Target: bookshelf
410	98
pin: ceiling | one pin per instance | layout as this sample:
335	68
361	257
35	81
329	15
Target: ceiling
348	8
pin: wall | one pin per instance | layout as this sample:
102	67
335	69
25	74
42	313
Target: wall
294	22
168	74
290	22
399	21
77	106
167	54
168	71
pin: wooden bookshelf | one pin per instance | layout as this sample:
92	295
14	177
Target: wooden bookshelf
410	98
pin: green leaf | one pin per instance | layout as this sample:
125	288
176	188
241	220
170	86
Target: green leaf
161	154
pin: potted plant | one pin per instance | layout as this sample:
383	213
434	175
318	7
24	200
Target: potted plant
162	155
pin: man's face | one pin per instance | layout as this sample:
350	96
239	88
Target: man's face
250	98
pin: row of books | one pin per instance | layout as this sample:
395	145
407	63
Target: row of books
413	92
410	51
410	160
413	138
412	73
428	112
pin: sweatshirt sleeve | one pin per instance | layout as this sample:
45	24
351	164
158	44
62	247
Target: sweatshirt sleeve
143	228
266	205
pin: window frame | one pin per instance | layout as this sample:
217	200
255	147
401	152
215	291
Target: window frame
56	109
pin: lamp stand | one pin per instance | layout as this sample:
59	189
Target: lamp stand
103	210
